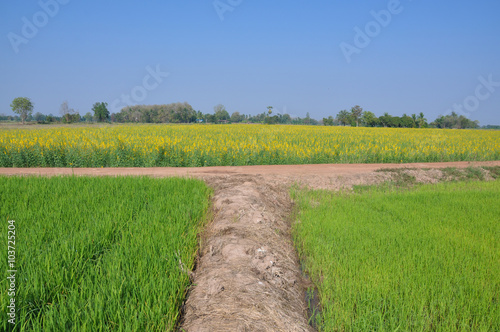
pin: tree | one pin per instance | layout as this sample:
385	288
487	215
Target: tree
220	113
88	117
454	121
307	120
344	117
421	120
64	109
369	119
68	115
237	117
356	113
328	121
39	117
101	112
271	120
50	118
407	121
199	116
394	122
385	120
209	118
22	106
286	118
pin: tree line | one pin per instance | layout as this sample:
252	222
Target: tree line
184	113
24	108
358	117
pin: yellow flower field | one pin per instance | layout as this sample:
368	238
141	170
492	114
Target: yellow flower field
211	145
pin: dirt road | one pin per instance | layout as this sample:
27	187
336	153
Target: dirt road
248	276
280	170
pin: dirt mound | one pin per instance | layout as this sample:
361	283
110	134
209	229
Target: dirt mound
248	276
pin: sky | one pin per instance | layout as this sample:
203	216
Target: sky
316	57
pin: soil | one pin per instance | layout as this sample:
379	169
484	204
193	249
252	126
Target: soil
248	276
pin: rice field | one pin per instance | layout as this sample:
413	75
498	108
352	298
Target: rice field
100	254
233	145
425	259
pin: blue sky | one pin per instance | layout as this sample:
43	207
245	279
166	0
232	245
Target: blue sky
419	56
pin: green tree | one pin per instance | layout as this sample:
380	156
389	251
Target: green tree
344	117
237	117
88	117
101	112
307	119
220	113
407	121
199	116
369	119
68	115
286	118
328	121
22	106
39	117
356	113
421	120
271	120
385	120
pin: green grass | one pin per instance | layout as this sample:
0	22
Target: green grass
424	259
99	254
469	173
493	170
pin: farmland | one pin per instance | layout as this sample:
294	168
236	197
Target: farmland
235	145
412	260
118	253
109	253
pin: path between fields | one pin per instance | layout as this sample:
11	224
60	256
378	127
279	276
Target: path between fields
248	276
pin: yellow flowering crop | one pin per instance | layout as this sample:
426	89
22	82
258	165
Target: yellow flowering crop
211	145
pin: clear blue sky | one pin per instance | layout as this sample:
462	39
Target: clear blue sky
426	57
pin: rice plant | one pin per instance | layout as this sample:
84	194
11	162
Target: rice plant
100	254
424	259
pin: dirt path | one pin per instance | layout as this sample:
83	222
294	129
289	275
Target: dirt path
266	170
248	276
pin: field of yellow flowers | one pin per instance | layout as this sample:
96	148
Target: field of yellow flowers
219	145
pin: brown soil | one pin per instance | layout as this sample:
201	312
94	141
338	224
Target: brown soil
248	276
281	171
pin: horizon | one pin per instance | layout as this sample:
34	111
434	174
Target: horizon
386	56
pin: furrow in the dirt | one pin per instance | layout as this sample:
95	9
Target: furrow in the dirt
248	278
